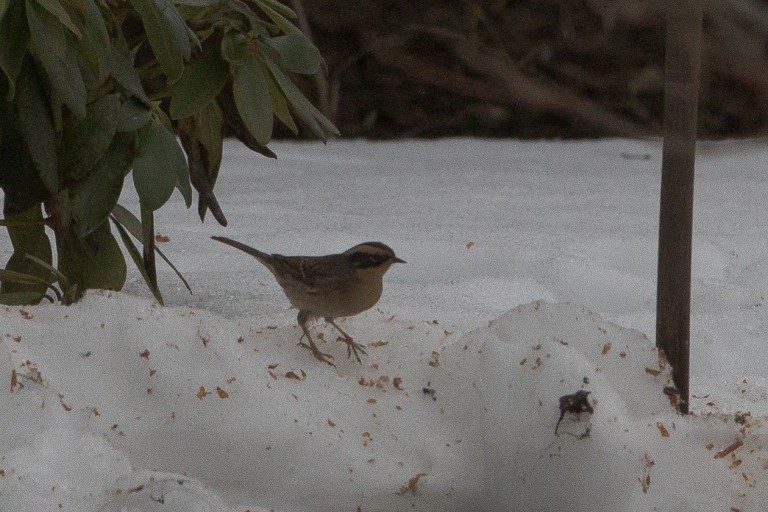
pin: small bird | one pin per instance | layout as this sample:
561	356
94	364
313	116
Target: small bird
331	286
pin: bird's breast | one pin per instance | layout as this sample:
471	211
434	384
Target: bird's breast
336	302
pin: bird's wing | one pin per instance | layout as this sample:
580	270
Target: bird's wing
312	274
297	272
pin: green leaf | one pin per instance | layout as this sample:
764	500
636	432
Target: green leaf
28	238
36	126
94	74
183	184
198	86
110	270
277	13
57	56
177	159
133	115
13	43
85	141
180	165
243	19
55	8
202	138
95	31
94	197
191	35
148	241
157	165
5	122
27	233
19	177
296	52
315	120
12	276
63	281
283	9
137	260
19	298
167	33
32	289
234	47
94	27
280	105
252	99
226	101
57	107
120	65
200	3
209	123
128	220
93	262
160	116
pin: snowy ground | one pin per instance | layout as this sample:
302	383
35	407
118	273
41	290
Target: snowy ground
117	404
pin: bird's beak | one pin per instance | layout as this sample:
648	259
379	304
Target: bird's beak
397	260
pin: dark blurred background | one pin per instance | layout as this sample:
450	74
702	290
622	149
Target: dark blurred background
527	69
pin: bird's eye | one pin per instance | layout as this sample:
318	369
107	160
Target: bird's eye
366	259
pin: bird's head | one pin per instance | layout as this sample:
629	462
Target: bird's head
371	258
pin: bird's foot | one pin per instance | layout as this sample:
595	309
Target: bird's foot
353	348
320	356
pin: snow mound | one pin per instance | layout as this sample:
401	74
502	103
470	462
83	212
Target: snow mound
130	406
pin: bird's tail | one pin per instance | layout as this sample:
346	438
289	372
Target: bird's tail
262	257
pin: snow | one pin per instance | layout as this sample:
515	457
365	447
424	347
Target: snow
530	275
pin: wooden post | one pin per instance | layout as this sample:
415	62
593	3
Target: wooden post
681	93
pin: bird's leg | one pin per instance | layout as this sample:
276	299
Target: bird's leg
352	347
303	318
